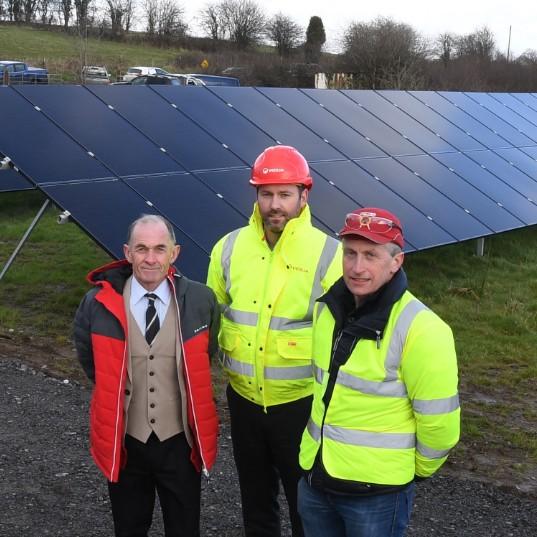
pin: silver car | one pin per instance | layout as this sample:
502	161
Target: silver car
92	74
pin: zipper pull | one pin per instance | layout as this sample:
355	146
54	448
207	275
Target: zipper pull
378	338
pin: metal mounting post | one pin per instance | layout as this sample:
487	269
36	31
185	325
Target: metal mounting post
24	238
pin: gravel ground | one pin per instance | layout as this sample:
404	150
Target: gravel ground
49	485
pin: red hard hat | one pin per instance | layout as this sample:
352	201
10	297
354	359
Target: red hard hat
281	165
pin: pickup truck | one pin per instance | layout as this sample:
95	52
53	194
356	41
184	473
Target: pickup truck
14	72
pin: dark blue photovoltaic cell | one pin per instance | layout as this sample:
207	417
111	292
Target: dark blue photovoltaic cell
233	186
12	181
496	107
368	191
244	139
348	143
528	113
523	162
190	205
496	124
527	99
398	120
462	190
279	124
473	128
521	174
530	151
106	209
435	205
183	139
39	149
74	109
373	129
515	202
447	130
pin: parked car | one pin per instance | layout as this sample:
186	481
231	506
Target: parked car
188	80
133	72
216	80
21	73
92	74
151	80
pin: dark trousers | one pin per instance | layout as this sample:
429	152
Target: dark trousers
163	467
265	448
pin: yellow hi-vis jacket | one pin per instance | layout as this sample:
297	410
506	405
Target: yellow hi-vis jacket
394	411
267	299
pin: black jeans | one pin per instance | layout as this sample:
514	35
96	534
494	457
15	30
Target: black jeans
265	448
163	467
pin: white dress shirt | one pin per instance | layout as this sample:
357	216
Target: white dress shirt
139	302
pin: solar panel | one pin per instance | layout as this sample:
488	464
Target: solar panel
449	131
13	181
375	131
493	122
453	166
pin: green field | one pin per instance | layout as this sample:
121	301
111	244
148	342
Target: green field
490	302
62	53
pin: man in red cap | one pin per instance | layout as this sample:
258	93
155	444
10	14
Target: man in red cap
267	276
385	409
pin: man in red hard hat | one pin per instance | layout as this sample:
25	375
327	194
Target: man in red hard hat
267	276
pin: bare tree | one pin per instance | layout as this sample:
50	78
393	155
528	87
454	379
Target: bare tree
284	33
65	8
120	13
384	53
244	21
150	13
212	21
29	7
82	8
15	10
528	57
445	47
45	10
164	19
480	44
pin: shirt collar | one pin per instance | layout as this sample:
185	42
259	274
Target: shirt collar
138	291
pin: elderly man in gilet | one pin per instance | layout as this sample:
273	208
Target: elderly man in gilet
144	335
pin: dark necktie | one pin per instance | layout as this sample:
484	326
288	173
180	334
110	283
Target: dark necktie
152	324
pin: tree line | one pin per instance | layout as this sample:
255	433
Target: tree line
382	53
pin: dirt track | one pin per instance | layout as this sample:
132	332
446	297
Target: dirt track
49	486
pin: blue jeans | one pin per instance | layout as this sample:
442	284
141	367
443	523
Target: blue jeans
340	515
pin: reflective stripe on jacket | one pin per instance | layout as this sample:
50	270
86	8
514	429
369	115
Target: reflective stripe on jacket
394	411
267	299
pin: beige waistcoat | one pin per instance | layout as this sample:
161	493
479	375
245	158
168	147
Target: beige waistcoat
154	391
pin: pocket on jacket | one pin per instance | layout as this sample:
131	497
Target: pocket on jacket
294	348
228	340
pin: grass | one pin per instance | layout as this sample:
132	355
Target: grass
61	52
490	302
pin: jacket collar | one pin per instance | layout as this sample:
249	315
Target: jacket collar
117	273
369	319
294	225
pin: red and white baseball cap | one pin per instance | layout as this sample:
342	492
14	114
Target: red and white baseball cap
377	225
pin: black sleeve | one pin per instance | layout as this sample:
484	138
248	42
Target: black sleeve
82	336
214	327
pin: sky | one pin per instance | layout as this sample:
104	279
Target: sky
430	19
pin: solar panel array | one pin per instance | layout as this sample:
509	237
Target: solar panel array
452	166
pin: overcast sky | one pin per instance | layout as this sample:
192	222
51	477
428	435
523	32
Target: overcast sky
430	19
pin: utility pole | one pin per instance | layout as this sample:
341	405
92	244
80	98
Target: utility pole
509	44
